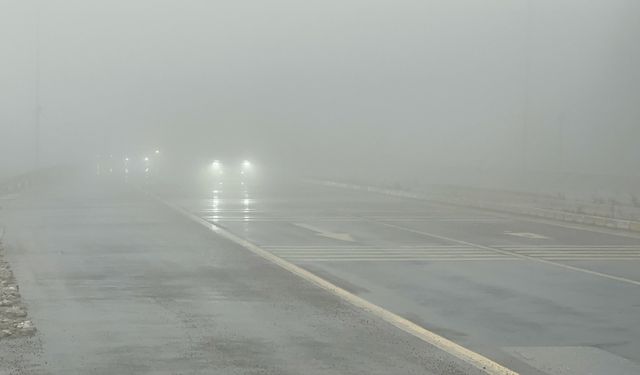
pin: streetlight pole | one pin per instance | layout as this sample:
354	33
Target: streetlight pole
526	118
37	108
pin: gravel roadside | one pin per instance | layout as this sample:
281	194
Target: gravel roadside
13	314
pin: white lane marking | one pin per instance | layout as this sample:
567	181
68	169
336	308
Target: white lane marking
500	214
572	249
561	255
533	236
382	255
610	259
507	252
262	216
482	363
577	253
405	258
401	259
575	226
320	251
221	217
379	253
560	252
324	233
358	246
575	247
591	256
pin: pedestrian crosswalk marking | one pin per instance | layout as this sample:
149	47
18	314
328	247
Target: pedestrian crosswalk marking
398	259
387	253
437	252
362	246
577	252
576	247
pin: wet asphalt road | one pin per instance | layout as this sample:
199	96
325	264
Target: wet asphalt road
116	283
539	297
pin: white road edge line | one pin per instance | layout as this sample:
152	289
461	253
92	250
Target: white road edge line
474	359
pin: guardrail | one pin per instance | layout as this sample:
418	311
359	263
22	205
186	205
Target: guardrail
23	181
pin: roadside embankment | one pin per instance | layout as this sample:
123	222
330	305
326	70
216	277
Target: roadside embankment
13	314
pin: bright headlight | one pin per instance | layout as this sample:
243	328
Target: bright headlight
216	166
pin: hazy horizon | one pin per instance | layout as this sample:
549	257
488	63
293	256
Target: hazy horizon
327	86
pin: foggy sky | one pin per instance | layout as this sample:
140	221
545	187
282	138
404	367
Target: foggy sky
493	84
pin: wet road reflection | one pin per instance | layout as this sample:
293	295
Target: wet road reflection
233	198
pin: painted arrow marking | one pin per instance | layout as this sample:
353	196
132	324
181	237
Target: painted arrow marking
321	232
532	236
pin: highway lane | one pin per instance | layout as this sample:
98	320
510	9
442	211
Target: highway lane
116	283
519	291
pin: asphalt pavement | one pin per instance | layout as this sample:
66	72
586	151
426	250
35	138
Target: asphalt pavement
537	296
117	283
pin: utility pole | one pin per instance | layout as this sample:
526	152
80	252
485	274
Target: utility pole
526	115
37	109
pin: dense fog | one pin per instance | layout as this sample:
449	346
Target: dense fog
388	90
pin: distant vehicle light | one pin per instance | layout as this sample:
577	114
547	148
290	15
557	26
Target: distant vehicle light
157	152
216	166
146	158
246	164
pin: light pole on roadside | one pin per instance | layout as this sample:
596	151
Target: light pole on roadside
37	108
526	118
